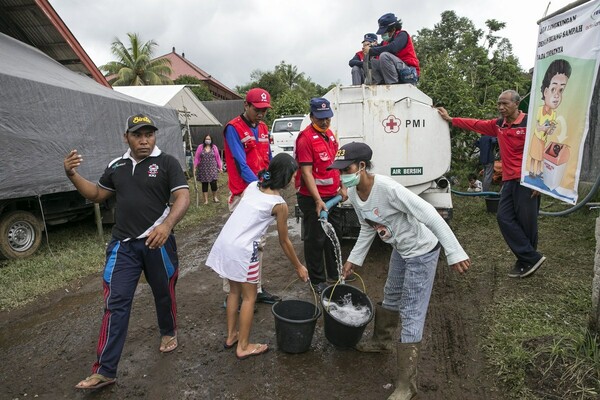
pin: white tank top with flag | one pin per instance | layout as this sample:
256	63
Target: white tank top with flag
236	247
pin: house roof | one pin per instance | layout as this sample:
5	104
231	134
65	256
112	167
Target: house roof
182	66
224	111
35	23
178	97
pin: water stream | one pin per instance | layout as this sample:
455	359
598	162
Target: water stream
330	232
343	310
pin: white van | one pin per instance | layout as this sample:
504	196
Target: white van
284	133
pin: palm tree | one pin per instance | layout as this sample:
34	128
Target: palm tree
289	73
134	65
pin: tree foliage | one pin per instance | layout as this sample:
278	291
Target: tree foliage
290	89
134	65
290	103
465	69
201	91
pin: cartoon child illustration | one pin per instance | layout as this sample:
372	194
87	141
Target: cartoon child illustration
554	83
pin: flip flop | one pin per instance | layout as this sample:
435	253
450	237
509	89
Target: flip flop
254	352
166	342
102	381
229	346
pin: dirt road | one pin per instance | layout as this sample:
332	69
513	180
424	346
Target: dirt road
49	346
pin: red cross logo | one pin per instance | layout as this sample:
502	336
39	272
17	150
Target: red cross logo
391	124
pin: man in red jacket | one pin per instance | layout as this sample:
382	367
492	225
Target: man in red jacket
359	70
396	60
247	151
519	206
316	147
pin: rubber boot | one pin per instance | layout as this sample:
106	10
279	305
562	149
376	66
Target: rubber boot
382	340
408	358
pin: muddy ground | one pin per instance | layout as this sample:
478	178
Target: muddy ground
48	346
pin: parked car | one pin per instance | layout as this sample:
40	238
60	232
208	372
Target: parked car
284	133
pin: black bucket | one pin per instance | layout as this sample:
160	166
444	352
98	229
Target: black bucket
337	332
295	322
491	203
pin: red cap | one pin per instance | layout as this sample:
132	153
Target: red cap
259	98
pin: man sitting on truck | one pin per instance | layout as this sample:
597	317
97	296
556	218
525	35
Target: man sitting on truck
359	70
143	181
397	61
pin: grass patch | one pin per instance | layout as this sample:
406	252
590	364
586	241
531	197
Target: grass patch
567	367
75	251
199	212
534	330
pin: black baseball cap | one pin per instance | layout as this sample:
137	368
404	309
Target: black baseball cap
350	153
138	121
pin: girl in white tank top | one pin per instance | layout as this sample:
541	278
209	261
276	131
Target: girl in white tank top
234	255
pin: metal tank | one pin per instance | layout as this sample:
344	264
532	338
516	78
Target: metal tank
410	141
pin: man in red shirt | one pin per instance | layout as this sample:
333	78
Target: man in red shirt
316	147
519	206
356	63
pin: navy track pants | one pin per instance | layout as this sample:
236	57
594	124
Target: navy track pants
125	262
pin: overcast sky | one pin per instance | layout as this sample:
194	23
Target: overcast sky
231	38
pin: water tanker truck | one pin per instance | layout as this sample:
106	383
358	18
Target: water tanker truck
410	141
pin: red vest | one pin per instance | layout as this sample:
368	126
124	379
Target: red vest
407	54
328	182
360	55
257	152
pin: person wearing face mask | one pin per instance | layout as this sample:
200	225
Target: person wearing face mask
207	162
316	146
416	233
396	60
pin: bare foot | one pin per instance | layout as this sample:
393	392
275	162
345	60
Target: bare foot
253	349
231	341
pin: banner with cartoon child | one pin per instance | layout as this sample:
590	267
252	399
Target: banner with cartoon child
563	81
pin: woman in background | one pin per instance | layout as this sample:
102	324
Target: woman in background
208	165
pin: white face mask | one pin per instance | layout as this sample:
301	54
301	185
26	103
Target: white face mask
351	180
207	141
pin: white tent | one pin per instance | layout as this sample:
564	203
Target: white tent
178	97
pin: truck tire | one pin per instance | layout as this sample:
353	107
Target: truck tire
20	234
